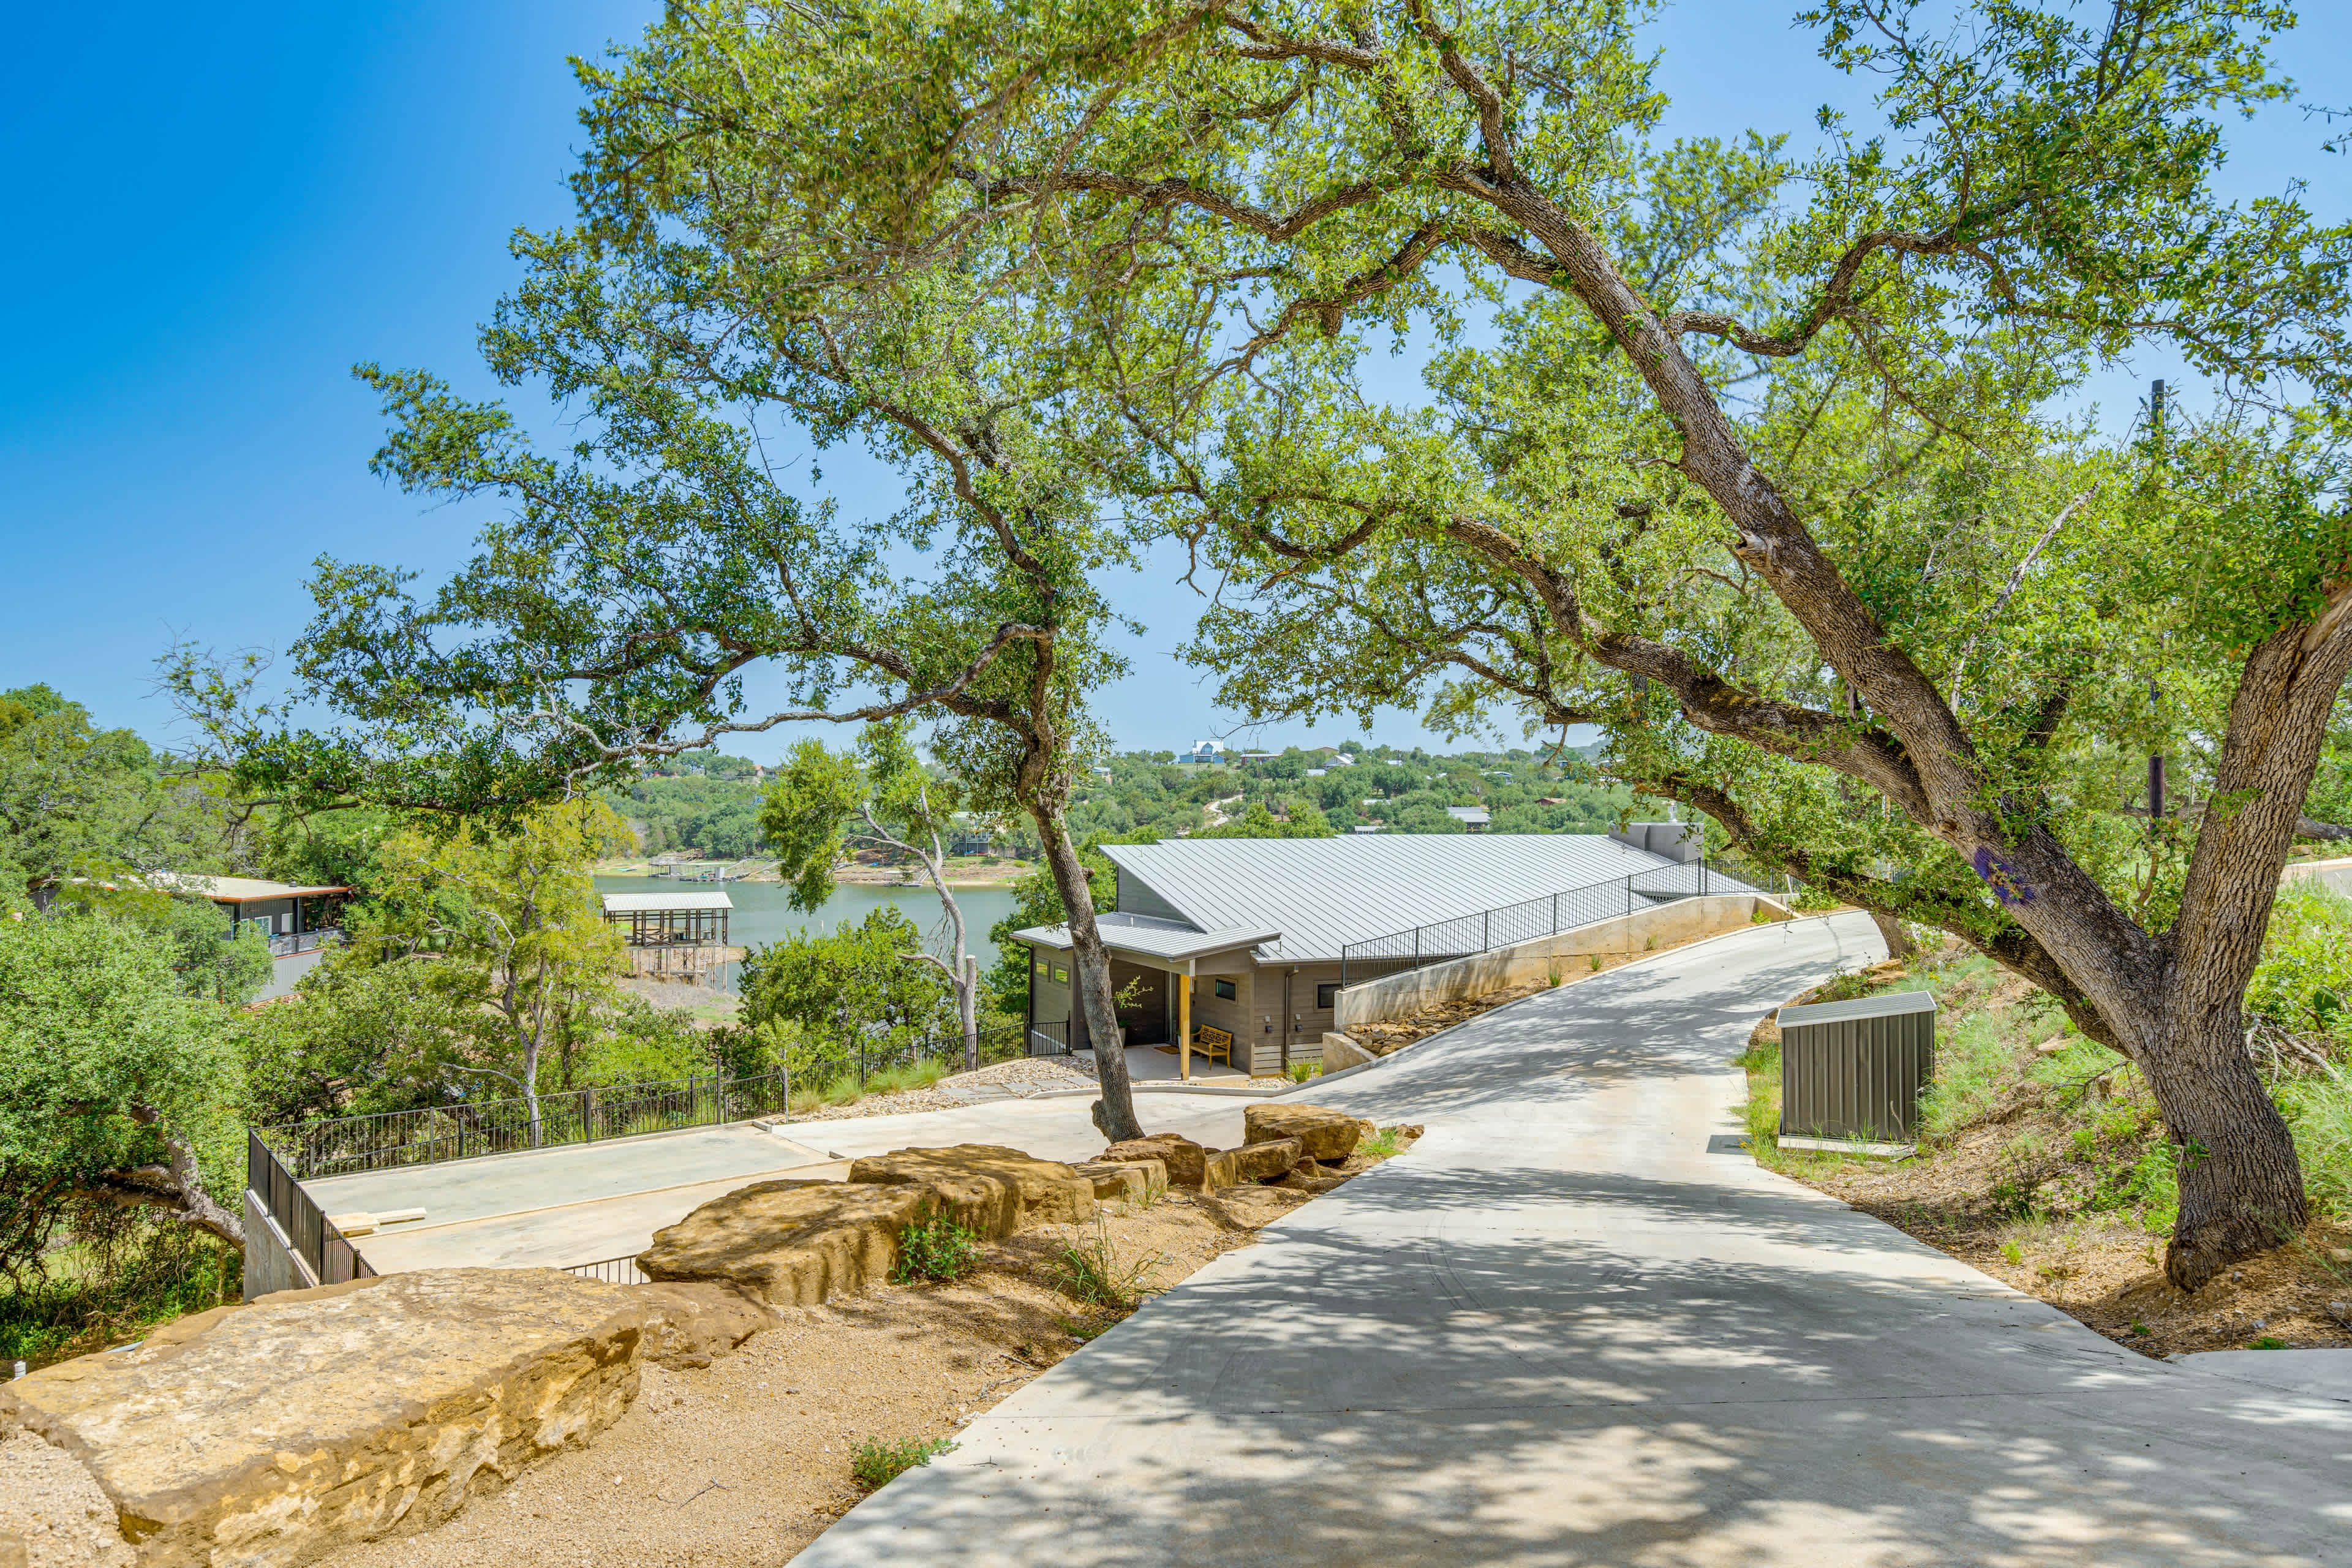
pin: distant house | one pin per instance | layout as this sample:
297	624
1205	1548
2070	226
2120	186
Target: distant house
1473	819
1256	926
1317	772
1205	751
296	918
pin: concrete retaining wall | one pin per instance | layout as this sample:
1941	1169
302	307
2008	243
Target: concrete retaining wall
1525	962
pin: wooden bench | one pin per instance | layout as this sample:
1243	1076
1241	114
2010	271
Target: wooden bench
1213	1042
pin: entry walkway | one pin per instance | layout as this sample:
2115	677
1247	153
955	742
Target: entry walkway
1563	1331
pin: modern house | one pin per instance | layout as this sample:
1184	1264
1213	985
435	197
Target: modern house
1247	935
1473	819
295	919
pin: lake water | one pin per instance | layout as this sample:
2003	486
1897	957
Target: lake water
763	912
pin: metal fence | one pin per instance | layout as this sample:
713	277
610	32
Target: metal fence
1049	1037
347	1145
318	1248
611	1272
1419	946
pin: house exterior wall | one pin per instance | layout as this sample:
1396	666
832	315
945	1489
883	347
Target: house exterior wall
1135	899
1049	999
1234	1016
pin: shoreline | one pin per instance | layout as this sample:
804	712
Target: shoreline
846	876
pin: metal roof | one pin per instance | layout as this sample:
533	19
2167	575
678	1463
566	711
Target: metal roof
239	889
1889	1006
1323	893
629	903
1155	938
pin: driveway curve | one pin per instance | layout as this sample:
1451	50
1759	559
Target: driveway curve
1562	1330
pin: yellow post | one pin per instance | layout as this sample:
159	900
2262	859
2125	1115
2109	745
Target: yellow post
1184	1027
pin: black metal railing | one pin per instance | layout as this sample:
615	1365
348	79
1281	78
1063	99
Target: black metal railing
1417	947
304	941
1049	1037
317	1247
347	1145
611	1272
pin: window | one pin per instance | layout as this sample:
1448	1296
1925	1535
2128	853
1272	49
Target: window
1038	965
1224	990
1061	973
1327	996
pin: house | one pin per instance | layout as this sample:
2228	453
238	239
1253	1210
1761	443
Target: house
1256	928
1205	751
1473	819
295	919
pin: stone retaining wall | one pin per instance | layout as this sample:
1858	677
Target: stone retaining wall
1528	962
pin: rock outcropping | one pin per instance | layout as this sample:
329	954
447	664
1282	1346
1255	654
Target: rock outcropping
1325	1134
279	1432
1189	1165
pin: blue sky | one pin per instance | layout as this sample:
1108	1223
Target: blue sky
218	210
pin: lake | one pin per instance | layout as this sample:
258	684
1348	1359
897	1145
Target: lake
763	912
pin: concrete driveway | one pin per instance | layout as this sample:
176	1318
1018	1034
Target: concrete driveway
1563	1331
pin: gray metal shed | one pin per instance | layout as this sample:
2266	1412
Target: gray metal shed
1853	1071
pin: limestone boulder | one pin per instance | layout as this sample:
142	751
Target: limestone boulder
1267	1162
1325	1134
286	1430
1129	1183
693	1325
992	1191
1189	1165
791	1243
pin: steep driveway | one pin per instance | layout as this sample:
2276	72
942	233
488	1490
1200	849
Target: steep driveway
1561	1331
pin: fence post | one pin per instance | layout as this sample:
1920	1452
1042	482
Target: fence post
1485	930
1555	914
587	1116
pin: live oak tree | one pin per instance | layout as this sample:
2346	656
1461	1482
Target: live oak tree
824	802
1619	492
644	584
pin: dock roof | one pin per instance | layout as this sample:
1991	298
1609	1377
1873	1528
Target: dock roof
631	903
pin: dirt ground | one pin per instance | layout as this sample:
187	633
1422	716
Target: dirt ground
2102	1268
747	1460
1023	1075
2105	1269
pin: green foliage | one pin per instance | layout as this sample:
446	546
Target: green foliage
875	1462
102	1053
1303	821
937	1249
212	959
853	984
94	813
717	815
122	1271
2304	982
1093	1270
1300	1072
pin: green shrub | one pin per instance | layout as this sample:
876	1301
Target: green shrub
936	1248
1301	1071
875	1463
1385	1144
2318	1110
123	1272
1091	1270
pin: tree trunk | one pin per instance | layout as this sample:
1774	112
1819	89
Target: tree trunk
1899	945
969	1000
1090	979
2241	1186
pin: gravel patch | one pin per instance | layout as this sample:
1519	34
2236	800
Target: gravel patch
1022	1077
52	1513
747	1460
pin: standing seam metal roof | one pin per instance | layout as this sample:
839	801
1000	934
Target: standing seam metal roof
1324	893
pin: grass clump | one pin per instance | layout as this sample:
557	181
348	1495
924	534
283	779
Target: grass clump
1301	1071
1092	1270
937	1250
1385	1144
875	1462
105	1287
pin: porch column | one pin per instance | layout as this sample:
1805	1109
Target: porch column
1184	1027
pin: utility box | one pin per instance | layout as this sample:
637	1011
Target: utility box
1852	1072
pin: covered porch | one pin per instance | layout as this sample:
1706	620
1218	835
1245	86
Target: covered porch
1175	986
